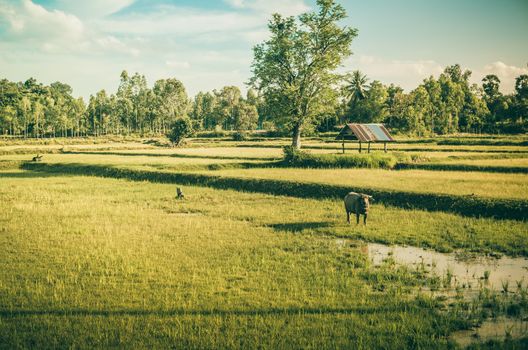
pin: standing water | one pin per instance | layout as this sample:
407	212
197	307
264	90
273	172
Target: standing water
492	273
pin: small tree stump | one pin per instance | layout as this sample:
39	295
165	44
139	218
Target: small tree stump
179	193
37	158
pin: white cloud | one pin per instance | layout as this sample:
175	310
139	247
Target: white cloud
93	8
29	18
506	73
180	22
406	73
266	7
178	64
56	32
111	43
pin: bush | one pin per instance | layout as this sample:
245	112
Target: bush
297	158
180	129
240	136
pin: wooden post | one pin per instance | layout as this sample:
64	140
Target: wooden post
385	146
368	147
359	146
343	140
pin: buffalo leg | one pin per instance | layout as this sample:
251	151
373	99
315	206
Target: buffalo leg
348	217
365	219
357	219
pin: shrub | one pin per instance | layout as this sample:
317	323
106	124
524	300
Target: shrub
180	129
240	136
297	158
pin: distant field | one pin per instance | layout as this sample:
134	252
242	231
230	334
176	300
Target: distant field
457	183
517	162
213	152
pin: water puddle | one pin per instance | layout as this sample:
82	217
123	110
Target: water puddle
495	274
466	271
496	329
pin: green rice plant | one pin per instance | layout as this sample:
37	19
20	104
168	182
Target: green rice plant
519	284
448	277
463	167
505	285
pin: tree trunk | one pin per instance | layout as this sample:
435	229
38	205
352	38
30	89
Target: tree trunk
296	137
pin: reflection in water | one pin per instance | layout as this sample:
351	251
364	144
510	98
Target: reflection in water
497	329
492	273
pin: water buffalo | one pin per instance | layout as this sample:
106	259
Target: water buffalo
357	203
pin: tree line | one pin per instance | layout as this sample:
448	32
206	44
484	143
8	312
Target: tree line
442	105
31	109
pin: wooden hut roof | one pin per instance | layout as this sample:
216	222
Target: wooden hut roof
365	133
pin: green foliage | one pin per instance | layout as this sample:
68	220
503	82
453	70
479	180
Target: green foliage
240	136
180	129
298	158
295	68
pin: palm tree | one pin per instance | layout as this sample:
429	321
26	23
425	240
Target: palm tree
356	87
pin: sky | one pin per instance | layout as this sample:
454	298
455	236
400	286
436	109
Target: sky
208	44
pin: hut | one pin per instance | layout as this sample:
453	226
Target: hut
365	133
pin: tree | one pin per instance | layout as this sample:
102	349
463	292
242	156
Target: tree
475	110
521	98
203	109
227	101
356	87
295	68
245	117
437	106
124	100
490	85
171	101
24	108
180	129
372	108
394	103
7	120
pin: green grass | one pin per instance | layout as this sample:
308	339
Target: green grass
464	205
124	264
98	262
420	181
302	159
152	271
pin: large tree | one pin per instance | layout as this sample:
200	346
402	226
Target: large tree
295	68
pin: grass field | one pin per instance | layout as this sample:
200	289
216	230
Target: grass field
456	183
88	262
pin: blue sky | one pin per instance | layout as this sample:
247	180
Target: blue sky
207	44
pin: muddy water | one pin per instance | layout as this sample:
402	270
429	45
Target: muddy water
497	329
468	273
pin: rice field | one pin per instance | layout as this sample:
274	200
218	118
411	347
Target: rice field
424	181
93	262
